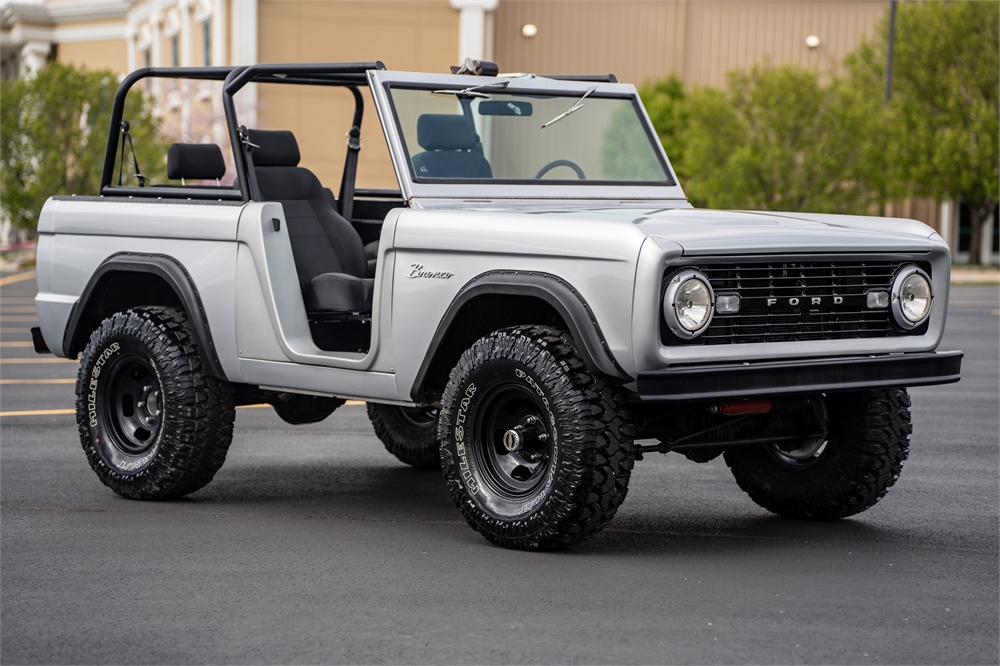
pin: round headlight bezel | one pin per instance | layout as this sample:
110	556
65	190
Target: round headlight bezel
905	273
674	285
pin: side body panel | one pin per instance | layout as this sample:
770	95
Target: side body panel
597	259
75	237
275	346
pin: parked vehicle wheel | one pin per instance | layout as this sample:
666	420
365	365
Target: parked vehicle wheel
869	438
409	433
153	423
537	452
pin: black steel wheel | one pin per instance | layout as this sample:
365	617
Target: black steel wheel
409	433
537	452
153	423
131	399
834	477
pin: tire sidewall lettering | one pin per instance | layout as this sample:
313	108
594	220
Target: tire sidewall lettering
95	374
461	450
101	433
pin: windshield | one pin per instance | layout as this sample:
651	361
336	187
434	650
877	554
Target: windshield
501	136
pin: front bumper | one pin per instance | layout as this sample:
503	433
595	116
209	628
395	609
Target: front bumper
740	380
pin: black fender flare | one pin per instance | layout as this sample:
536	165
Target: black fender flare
177	278
555	291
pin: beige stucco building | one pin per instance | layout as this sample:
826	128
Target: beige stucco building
699	40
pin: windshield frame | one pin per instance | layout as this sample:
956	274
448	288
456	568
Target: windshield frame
381	83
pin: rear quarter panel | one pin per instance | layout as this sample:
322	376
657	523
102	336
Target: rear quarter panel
77	234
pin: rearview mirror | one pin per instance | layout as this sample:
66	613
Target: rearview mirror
499	108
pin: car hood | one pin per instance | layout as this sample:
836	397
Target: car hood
709	232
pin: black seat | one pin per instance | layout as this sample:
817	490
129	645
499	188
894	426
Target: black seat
451	148
195	161
329	256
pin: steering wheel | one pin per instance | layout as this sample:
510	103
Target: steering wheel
558	163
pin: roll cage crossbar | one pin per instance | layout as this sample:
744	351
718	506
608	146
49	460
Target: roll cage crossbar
350	75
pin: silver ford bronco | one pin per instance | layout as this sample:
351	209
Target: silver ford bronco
537	307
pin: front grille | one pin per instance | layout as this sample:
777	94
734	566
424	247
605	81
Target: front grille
831	301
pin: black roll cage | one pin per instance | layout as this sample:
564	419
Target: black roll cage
345	74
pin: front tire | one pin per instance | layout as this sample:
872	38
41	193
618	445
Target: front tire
869	439
153	423
537	452
409	433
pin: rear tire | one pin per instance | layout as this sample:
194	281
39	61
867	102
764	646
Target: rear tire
537	452
869	439
409	433
153	423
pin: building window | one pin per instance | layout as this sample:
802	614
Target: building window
146	61
206	40
174	52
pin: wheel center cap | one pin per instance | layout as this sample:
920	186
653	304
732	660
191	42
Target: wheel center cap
513	441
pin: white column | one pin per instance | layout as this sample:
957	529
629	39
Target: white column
219	134
130	45
243	35
472	27
184	7
34	57
155	48
947	229
218	33
986	240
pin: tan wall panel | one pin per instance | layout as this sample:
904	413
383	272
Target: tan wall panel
723	36
699	40
414	35
576	37
927	211
104	54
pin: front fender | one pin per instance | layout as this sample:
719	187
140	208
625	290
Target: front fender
556	292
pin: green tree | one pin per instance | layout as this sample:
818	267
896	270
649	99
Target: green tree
943	124
53	133
775	139
665	103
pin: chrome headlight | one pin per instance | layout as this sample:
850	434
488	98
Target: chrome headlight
687	304
911	297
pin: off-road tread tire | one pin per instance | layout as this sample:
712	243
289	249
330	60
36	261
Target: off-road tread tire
868	444
199	410
596	435
417	448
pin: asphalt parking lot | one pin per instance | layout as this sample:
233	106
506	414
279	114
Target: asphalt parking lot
313	545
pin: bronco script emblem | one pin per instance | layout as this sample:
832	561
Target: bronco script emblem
419	272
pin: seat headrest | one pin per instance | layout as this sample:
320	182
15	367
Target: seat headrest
277	148
195	161
446	131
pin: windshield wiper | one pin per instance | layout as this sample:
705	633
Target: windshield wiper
575	107
472	91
